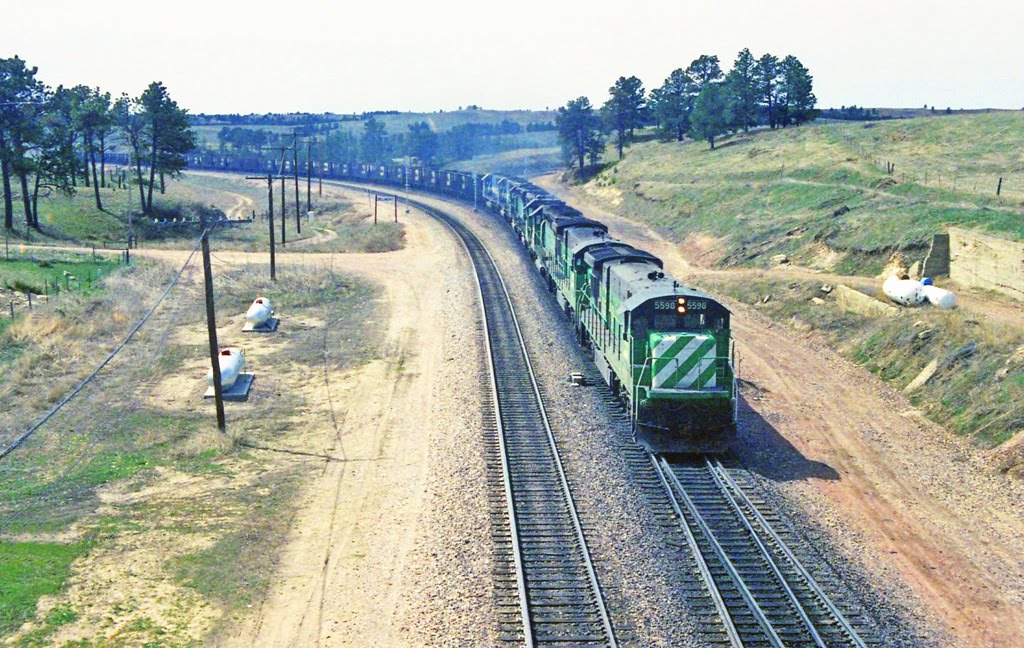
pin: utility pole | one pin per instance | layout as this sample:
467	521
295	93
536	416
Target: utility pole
284	205
295	172
309	173
270	218
211	325
407	170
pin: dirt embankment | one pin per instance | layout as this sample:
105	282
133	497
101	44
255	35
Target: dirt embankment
915	504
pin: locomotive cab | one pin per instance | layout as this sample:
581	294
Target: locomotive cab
684	394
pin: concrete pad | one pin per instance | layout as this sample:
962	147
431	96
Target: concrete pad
238	392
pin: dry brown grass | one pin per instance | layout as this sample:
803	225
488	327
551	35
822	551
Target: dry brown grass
43	328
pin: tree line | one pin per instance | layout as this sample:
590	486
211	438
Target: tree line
52	139
701	101
374	144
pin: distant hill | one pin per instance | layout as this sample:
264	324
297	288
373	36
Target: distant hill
207	126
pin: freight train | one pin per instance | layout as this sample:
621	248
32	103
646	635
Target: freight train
663	347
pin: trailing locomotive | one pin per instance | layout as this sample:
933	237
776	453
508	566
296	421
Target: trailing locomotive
665	348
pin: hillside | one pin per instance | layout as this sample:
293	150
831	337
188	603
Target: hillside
394	122
524	162
821	194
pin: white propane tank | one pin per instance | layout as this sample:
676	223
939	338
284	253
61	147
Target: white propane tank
939	297
903	291
232	361
259	312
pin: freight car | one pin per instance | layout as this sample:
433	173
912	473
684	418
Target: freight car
664	347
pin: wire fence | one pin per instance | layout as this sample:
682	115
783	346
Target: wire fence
1003	185
32	277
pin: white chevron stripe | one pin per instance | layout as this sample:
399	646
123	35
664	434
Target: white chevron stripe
684	354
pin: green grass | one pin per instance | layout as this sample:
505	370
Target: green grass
76	218
52	272
29	570
768	192
235	570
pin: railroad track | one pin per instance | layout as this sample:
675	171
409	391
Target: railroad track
558	594
763	594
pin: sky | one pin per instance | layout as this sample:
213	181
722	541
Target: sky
217	56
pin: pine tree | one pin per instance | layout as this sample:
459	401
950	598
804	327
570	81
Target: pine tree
373	144
711	116
423	143
741	84
768	79
797	92
671	105
703	70
579	130
56	159
169	134
625	108
21	99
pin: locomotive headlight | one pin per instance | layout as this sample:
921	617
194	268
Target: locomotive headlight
681	305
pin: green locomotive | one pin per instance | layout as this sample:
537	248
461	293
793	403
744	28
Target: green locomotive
664	347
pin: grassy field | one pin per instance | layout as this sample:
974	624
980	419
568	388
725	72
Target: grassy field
524	162
823	188
28	571
132	481
337	227
45	273
75	218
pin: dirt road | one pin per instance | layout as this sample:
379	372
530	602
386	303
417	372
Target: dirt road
918	506
390	543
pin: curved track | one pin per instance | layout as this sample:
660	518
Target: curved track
559	597
763	594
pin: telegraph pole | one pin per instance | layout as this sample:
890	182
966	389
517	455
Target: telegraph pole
270	218
284	205
295	172
309	173
211	325
407	170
